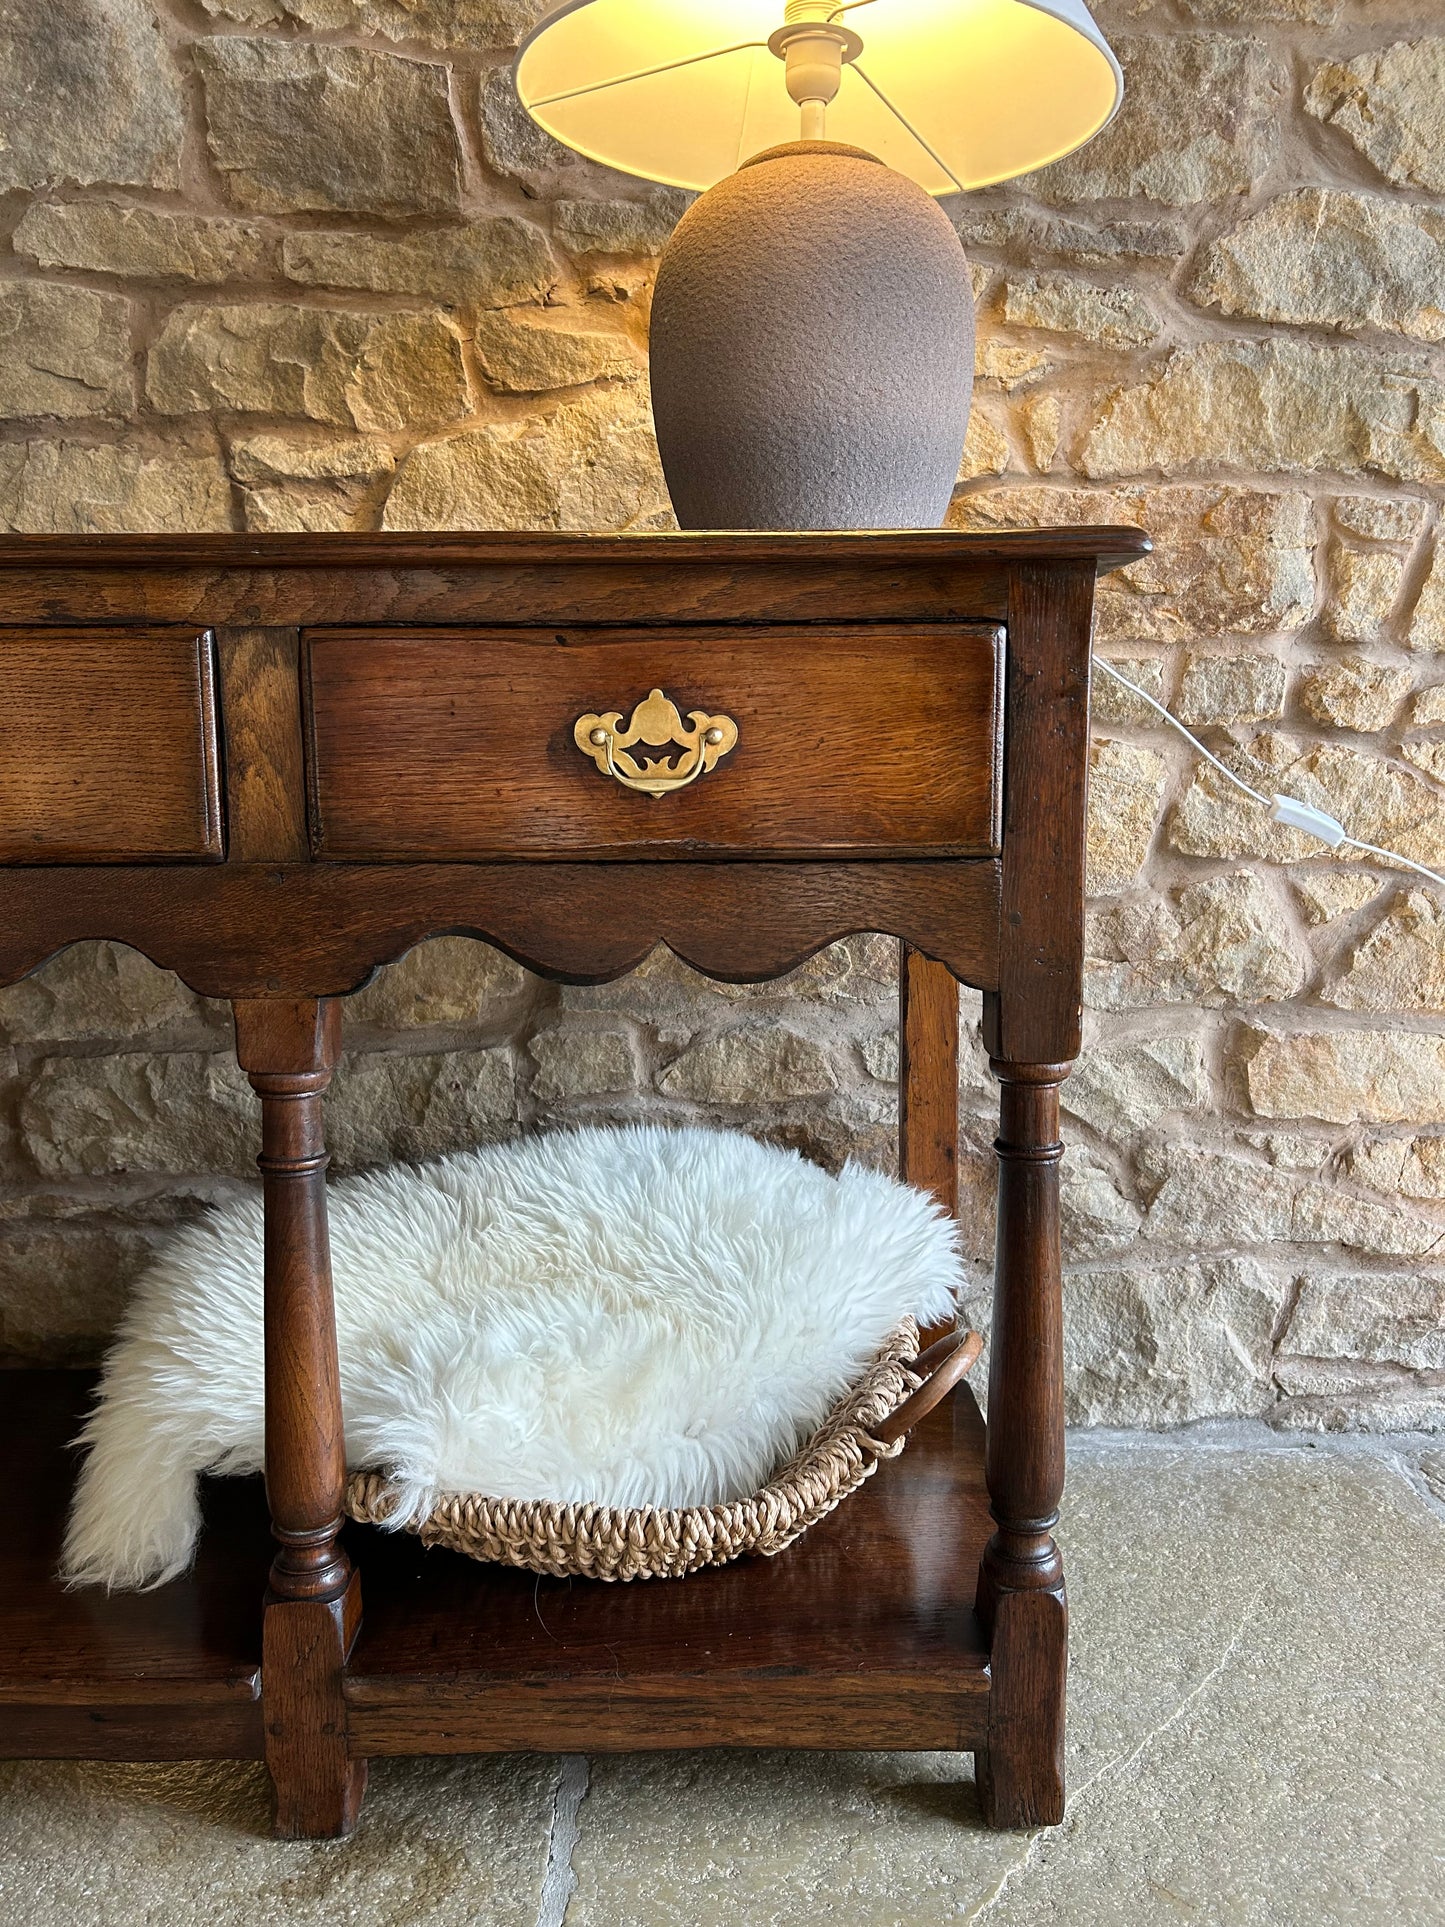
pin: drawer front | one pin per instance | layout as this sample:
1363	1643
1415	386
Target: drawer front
846	740
108	746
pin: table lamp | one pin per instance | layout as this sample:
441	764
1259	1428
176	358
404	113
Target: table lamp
812	321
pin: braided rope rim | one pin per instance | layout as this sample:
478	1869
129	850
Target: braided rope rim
654	1542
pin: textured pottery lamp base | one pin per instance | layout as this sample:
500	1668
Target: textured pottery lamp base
812	348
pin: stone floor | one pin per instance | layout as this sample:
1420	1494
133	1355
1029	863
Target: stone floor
1257	1736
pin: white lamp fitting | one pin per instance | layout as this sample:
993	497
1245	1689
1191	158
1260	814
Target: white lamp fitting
813	48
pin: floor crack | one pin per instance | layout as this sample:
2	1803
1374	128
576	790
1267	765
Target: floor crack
559	1882
1112	1769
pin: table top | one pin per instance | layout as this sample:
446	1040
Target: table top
1107	547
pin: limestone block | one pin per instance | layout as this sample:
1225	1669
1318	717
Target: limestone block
1390	1318
63	1287
487	264
316	458
1006	362
1429	706
586	228
1227	560
65	488
1231	689
1333	892
1381	518
97	991
1355	693
1112	706
294	127
89	92
525	351
1222	941
880	1056
1094	1215
1111	317
1281	405
573	1062
1021	234
1250	13
856	978
323	482
1366	587
176	1111
750	1067
1346	1076
985	447
1412	1167
1361	1403
463	24
1400	963
368	371
590	464
1321	258
1206	1201
1205	1330
283	511
111	239
512	142
1429	757
384	1106
1427	624
1391	104
1042	422
64	351
1120	1088
1376	800
1126	792
1202	123
1293	1150
450	980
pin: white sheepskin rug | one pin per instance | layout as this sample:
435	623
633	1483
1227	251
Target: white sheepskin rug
635	1317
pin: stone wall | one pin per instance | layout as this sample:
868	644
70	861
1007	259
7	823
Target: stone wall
301	264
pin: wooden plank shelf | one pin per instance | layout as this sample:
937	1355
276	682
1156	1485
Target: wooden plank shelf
461	1657
163	1675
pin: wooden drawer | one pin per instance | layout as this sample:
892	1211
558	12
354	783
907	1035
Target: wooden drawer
850	740
108	747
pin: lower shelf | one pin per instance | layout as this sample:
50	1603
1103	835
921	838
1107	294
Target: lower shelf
861	1635
164	1675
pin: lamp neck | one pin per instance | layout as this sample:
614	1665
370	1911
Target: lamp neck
813	48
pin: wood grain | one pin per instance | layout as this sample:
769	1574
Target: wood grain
288	1049
460	743
850	1638
108	747
1037	1015
170	1674
265	765
931	575
1021	1578
928	1077
257	930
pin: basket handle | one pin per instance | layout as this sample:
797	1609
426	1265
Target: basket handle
941	1367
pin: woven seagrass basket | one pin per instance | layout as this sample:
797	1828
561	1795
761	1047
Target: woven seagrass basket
870	1422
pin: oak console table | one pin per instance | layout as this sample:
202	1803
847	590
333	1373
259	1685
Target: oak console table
274	763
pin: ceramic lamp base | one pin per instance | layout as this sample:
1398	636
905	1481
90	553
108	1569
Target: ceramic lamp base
812	348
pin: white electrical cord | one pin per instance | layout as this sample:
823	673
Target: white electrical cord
1288	810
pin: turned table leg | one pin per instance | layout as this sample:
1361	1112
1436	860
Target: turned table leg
313	1602
1021	1582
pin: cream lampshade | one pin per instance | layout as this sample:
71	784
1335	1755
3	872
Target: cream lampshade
812	321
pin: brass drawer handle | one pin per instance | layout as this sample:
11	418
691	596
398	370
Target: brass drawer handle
655	722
